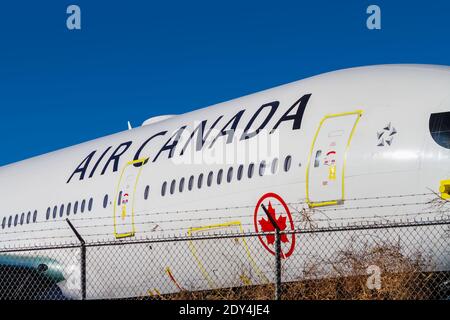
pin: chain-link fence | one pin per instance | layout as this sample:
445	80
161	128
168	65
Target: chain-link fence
403	260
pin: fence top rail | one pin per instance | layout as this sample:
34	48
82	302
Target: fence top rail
364	225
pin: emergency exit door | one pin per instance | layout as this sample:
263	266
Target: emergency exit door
124	203
325	175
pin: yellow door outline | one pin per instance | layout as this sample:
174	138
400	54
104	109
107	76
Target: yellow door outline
334	202
132	233
211	283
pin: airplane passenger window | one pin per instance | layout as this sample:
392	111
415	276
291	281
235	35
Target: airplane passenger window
16	218
191	183
287	163
172	186
9	221
4	223
439	126
163	188
275	166
83	205
22	217
210	178
250	170
181	186
262	168
28	217
146	192
317	158
90	204
34	215
69	207
240	171
219	176
75	207
47	216
230	174
105	200
61	210
55	210
200	181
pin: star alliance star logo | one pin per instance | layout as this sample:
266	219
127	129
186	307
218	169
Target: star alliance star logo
386	135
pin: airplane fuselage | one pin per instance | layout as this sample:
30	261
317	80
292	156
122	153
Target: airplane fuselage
361	144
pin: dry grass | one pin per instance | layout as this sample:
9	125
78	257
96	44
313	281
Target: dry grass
402	277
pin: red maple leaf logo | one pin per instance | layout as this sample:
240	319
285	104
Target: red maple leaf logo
267	226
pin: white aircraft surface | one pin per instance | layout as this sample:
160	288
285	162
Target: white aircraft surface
361	144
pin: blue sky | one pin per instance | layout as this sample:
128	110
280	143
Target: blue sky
136	59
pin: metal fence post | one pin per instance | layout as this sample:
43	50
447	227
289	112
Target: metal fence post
277	254
278	264
83	259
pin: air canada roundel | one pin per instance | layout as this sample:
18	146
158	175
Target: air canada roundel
279	211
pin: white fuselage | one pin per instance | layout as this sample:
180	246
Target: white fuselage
345	145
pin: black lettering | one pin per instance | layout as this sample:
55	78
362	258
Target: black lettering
98	162
82	167
273	107
229	132
297	117
137	156
115	157
169	145
201	139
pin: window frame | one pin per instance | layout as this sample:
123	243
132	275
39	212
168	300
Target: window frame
439	128
250	170
181	185
287	163
209	179
200	181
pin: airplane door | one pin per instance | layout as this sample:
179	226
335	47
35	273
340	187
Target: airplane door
125	199
325	173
